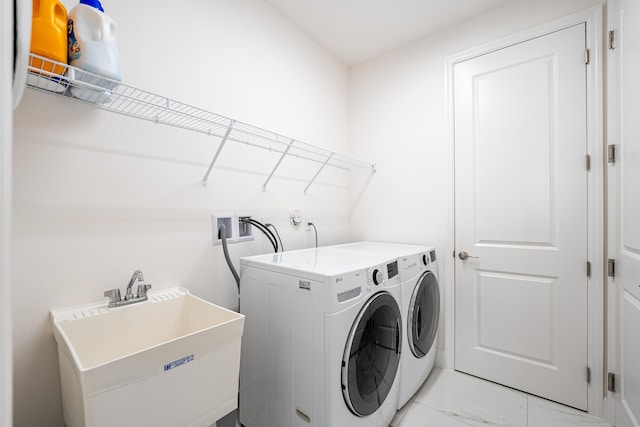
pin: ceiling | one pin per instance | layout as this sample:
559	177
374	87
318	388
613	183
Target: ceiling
357	30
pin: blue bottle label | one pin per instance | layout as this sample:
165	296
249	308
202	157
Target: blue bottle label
74	46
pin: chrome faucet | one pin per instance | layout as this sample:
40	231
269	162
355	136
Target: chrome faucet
137	275
129	298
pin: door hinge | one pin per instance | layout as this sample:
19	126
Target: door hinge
588	162
611	268
611	382
611	153
587	56
588	269
612	40
588	375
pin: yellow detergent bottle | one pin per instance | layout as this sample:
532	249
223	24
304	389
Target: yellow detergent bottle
49	35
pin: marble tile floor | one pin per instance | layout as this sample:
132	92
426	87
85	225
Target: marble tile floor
454	399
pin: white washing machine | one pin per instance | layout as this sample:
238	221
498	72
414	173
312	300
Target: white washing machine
322	339
420	296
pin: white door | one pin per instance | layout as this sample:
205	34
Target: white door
625	207
521	216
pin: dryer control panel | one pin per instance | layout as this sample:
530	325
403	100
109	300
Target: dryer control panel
413	265
428	258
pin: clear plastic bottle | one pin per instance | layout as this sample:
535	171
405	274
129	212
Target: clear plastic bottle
93	47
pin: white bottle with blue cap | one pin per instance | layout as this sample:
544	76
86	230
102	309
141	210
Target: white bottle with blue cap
93	47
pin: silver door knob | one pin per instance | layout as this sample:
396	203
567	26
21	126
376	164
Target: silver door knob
464	256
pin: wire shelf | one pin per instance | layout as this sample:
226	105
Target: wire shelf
57	78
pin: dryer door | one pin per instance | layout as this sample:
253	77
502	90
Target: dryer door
424	310
372	355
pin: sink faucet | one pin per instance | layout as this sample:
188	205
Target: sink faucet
137	276
129	297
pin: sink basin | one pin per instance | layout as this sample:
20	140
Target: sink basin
170	361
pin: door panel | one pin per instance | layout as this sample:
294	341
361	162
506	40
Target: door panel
506	340
521	214
625	208
506	212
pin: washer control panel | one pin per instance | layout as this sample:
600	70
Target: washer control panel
377	276
381	275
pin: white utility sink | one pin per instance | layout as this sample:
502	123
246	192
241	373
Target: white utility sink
170	361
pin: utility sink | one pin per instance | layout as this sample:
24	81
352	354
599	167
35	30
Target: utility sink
170	361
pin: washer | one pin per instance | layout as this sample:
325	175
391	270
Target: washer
420	294
322	339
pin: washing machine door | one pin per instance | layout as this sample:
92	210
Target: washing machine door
424	311
372	355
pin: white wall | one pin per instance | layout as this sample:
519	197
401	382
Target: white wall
6	69
398	121
99	195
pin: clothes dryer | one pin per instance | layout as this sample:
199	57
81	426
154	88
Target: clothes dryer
420	296
322	339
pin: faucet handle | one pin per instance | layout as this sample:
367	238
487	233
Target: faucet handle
113	294
142	290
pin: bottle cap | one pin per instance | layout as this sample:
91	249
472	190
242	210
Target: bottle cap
93	3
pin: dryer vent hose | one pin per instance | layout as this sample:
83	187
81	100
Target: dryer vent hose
225	248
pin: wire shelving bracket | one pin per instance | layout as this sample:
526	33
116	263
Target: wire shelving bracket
318	173
64	80
205	179
284	153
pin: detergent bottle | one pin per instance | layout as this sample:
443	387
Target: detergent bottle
93	46
49	35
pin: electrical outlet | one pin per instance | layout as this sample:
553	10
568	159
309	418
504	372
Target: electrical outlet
266	220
